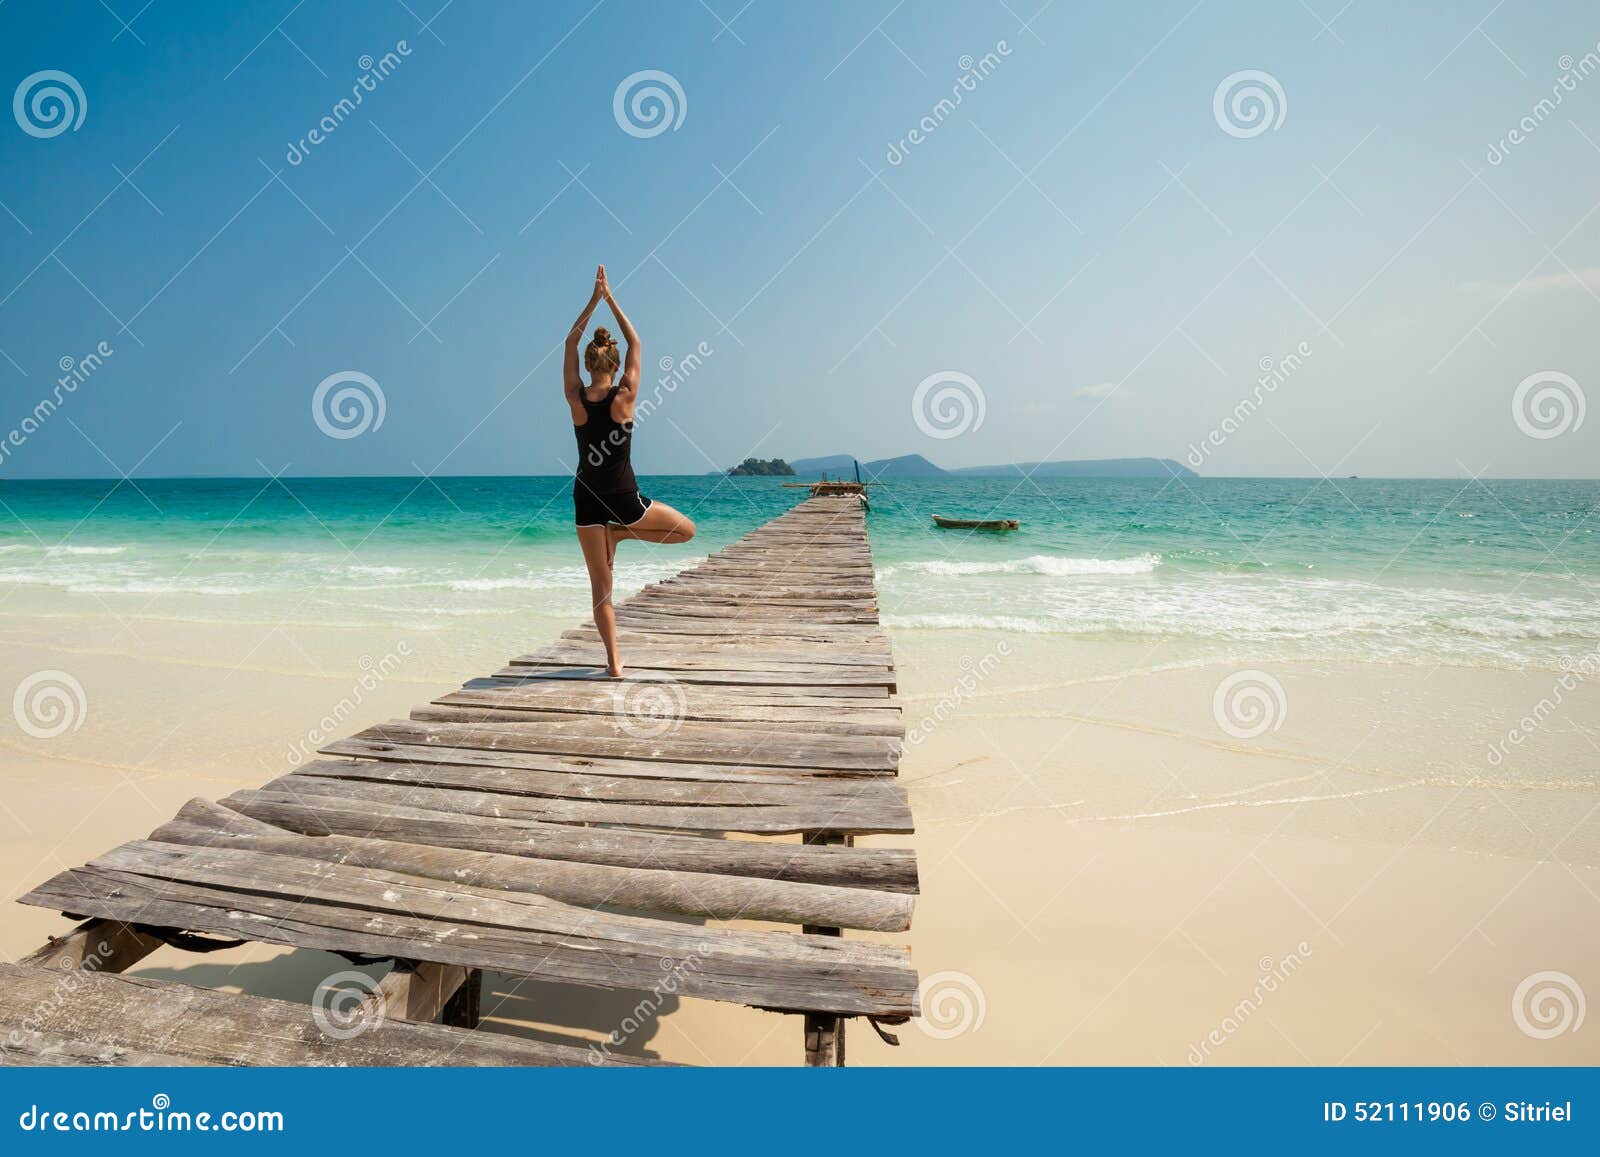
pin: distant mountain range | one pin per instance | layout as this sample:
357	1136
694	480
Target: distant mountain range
916	466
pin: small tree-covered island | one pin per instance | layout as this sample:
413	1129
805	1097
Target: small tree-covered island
762	467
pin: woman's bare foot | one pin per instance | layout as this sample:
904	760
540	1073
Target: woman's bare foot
614	668
614	535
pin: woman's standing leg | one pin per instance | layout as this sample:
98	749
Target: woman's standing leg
597	546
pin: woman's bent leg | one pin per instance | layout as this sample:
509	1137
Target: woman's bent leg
661	523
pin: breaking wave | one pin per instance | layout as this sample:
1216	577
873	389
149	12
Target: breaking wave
1054	566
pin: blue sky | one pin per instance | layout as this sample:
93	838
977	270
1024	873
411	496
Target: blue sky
1081	237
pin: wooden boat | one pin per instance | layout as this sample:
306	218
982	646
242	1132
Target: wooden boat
975	523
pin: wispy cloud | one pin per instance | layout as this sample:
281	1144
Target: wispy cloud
1586	279
1098	390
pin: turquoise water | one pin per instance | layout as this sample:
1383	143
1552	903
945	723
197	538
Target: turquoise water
1492	573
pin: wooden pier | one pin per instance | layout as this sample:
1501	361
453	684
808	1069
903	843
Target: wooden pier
829	489
547	822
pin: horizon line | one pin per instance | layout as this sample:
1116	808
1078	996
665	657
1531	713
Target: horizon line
883	481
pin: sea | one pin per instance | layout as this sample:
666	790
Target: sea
1463	572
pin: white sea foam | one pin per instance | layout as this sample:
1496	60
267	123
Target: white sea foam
518	583
58	550
1336	618
130	579
966	623
164	587
627	576
1054	566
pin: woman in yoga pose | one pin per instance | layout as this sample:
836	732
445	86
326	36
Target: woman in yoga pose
607	505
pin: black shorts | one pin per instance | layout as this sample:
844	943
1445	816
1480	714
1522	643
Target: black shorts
590	509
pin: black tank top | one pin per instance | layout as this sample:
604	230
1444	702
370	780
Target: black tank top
605	448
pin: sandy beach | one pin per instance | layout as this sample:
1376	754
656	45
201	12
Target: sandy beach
1108	876
1051	547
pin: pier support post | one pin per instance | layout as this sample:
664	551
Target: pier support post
415	991
465	1008
96	946
824	1040
824	1034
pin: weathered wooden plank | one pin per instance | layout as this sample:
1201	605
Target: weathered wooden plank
850	697
757	718
863	622
709	590
688	742
678	659
650	654
796	791
111	1020
828	683
885	869
851	532
593	698
282	899
863	815
788	558
802	636
684	666
755	605
753	613
203	824
422	754
757	576
796	554
710	624
803	548
872	644
825	553
821	598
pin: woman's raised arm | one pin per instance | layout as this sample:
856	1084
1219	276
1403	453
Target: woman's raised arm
632	363
570	381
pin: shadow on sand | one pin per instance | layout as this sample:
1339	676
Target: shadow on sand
556	1013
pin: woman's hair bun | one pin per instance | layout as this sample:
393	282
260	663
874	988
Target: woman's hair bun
602	352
